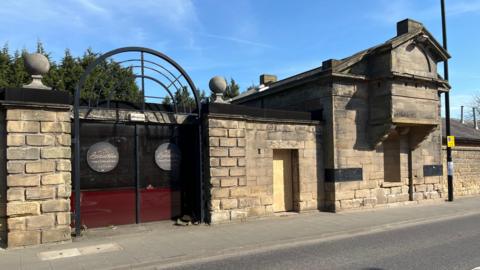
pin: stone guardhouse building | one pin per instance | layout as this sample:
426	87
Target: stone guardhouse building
360	132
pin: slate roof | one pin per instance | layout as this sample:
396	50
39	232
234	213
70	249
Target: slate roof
462	132
339	67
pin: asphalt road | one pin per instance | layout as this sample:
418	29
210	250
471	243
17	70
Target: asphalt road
450	244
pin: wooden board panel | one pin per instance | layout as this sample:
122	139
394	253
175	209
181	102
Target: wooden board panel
282	181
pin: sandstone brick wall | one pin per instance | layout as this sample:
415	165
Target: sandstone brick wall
352	149
466	172
240	168
38	175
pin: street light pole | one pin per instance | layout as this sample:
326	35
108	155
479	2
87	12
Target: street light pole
447	108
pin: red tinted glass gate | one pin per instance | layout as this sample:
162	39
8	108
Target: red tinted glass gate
111	191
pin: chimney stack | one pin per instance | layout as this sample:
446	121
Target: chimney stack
461	115
267	79
407	26
475	124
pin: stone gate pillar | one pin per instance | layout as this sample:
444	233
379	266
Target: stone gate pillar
37	138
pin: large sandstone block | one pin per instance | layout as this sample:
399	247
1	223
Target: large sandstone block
23	180
56	235
237	171
23	126
16	224
65	139
228	142
64	218
15	167
56	178
226	204
23	238
236	152
219	216
217	132
40	193
40	222
219	193
55	127
64	165
56	152
228	182
15	194
30	115
23	208
218	172
40	140
28	153
55	206
40	166
15	139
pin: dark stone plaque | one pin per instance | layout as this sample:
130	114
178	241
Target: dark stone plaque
102	157
168	157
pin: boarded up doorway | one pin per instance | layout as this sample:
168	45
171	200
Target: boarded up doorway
284	170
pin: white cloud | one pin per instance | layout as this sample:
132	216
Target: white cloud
237	40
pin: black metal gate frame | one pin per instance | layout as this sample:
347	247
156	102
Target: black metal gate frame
76	131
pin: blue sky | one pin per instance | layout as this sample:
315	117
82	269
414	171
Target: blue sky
243	39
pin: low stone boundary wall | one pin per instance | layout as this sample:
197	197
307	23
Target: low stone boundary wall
240	165
466	172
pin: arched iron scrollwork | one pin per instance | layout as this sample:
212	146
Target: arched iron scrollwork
172	81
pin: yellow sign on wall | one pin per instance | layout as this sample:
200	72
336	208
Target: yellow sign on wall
451	141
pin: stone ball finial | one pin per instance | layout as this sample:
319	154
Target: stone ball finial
36	65
218	85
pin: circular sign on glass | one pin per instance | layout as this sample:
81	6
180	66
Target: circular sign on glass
168	156
102	157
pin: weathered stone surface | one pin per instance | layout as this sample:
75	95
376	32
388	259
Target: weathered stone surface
15	140
40	222
56	152
23	127
40	140
23	208
228	142
65	139
30	115
56	179
237	172
216	172
56	235
40	166
16	224
55	127
15	167
228	204
23	153
23	238
15	194
64	165
55	206
228	182
236	152
40	193
23	180
220	193
64	218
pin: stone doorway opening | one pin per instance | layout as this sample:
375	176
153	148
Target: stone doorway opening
285	180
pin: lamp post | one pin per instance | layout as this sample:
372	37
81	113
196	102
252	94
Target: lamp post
447	108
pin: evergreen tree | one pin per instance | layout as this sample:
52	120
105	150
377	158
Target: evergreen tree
232	90
4	66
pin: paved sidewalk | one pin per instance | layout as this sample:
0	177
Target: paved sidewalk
147	245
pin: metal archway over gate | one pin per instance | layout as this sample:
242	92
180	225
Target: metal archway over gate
137	153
